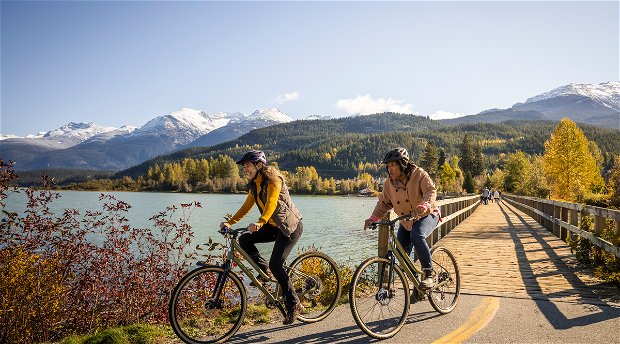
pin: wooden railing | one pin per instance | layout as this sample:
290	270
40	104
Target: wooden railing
563	218
453	212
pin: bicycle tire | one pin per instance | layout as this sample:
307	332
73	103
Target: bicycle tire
445	296
195	318
316	280
365	296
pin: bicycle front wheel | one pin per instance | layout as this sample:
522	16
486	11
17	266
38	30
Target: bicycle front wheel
316	280
197	316
379	306
445	295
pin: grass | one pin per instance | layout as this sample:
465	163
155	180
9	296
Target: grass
133	334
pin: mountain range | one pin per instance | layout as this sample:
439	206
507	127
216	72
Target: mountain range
91	146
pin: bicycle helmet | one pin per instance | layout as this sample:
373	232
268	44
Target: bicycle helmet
253	156
397	154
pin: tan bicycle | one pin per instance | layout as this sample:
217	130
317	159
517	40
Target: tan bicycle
209	303
379	295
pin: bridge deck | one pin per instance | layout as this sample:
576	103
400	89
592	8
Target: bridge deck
502	251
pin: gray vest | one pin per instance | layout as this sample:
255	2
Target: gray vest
286	216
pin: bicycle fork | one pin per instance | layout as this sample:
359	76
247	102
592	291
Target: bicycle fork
216	300
384	294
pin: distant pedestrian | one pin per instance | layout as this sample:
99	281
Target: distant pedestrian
485	195
496	196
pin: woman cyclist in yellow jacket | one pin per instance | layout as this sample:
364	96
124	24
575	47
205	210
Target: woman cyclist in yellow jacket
280	221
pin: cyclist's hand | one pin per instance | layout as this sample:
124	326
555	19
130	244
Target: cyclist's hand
224	225
253	227
421	209
369	221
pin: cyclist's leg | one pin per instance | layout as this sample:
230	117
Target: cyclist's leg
420	230
248	242
281	249
404	238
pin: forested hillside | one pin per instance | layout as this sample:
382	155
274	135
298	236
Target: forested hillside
337	147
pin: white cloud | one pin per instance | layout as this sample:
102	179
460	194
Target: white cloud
286	97
446	115
366	105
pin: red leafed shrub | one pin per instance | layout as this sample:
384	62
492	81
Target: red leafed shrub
122	277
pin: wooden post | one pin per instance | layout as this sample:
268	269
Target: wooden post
574	220
384	234
549	211
599	225
564	218
557	214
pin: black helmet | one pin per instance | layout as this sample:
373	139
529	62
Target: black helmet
253	156
397	154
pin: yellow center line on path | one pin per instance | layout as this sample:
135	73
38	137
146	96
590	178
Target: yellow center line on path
479	318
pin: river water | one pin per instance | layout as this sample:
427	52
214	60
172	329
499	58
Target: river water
331	223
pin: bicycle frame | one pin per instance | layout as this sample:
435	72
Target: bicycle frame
396	252
231	257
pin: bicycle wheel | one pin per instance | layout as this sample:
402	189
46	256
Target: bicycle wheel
316	280
379	310
445	295
196	317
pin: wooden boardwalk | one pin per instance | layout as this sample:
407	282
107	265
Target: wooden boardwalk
501	251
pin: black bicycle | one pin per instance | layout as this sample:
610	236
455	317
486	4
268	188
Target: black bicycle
379	295
209	303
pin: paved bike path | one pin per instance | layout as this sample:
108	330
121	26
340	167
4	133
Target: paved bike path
515	321
501	251
544	296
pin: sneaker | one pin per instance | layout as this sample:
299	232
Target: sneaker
292	313
417	296
427	282
262	279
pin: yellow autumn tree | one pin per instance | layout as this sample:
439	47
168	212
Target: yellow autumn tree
568	163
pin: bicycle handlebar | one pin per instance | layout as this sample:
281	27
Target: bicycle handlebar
406	217
235	232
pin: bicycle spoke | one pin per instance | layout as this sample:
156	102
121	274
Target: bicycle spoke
380	312
197	316
445	295
316	281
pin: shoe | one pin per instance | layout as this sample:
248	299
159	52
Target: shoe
292	313
417	296
428	281
262	279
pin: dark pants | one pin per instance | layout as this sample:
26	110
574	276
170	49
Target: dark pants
417	239
281	249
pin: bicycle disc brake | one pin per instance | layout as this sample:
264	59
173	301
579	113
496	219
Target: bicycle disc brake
312	288
214	304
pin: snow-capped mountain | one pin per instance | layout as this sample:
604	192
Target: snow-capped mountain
186	125
8	136
242	125
269	115
108	135
89	146
607	94
68	135
78	132
582	103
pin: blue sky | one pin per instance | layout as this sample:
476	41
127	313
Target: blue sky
124	63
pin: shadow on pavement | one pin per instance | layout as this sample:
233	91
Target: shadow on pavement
545	301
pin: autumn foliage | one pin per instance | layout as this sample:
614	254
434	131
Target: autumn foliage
569	163
79	271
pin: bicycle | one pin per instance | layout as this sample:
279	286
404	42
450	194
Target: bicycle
379	295
208	304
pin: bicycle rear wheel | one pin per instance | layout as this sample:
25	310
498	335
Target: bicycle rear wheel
196	316
316	280
445	295
379	310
